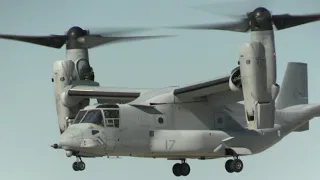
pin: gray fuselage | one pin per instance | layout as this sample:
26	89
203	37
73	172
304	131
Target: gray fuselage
193	130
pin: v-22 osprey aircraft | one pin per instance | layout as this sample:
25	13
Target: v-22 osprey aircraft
204	120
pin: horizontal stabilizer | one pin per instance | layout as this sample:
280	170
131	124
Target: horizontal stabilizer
295	117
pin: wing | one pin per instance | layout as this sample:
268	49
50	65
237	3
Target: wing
105	94
215	88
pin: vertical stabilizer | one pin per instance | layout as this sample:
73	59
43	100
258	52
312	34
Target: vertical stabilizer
294	88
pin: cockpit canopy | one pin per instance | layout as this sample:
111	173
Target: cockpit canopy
105	117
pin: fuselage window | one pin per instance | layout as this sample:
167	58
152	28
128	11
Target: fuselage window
79	117
116	123
111	118
111	113
94	117
109	122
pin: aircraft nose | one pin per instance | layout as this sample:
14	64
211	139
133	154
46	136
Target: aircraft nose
70	139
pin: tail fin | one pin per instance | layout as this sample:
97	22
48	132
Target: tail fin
294	88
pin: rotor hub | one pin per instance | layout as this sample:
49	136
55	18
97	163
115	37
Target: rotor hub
73	36
262	13
260	19
76	32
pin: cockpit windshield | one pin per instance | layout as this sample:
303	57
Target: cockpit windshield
102	117
94	117
79	116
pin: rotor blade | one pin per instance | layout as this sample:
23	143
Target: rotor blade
114	31
54	41
239	26
94	41
239	8
285	21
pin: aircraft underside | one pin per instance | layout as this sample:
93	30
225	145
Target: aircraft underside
178	169
181	145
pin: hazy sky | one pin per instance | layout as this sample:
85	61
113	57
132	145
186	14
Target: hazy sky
29	122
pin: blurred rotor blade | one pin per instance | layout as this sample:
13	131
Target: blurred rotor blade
238	8
115	31
239	26
54	41
285	21
94	41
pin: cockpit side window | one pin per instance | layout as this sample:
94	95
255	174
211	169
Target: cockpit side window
111	113
79	117
94	117
111	118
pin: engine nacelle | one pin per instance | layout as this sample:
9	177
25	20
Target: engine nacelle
67	107
259	105
63	75
68	101
235	83
67	73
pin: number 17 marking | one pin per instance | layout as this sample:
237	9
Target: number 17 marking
169	144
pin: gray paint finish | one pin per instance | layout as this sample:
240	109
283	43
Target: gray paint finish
211	128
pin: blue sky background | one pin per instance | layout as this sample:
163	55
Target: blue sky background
29	122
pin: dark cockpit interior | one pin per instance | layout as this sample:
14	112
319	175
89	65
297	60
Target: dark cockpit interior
101	116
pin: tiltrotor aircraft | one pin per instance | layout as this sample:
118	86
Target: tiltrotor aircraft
204	120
